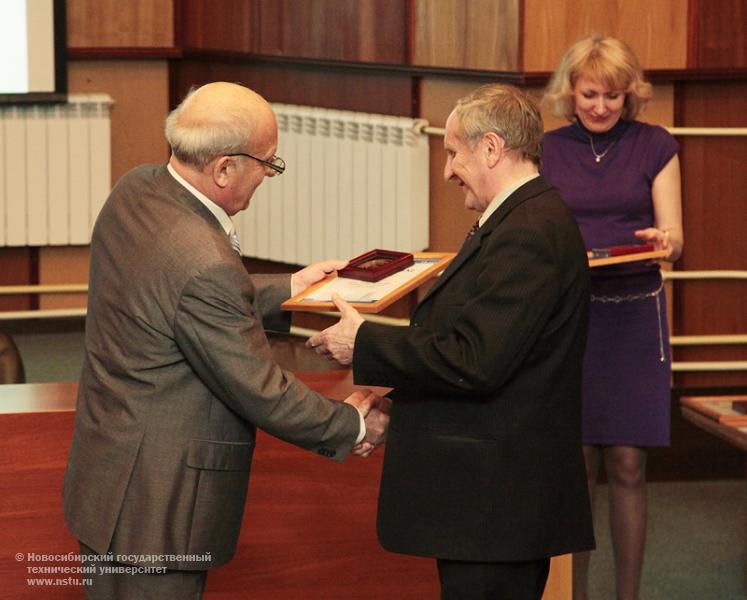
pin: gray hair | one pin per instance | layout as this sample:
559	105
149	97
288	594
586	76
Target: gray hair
197	137
506	111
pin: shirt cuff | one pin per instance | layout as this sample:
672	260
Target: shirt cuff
362	433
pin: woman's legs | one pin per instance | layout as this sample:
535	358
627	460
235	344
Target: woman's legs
626	474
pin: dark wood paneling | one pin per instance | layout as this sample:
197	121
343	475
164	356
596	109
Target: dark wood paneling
17	267
718	34
714	213
226	25
357	30
122	52
346	30
330	88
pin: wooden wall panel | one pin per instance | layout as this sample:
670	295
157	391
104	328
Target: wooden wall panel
479	34
63	265
719	34
449	219
17	267
715	213
344	89
227	27
346	30
657	31
140	93
661	109
117	23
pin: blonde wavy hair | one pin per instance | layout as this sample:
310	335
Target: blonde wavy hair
607	60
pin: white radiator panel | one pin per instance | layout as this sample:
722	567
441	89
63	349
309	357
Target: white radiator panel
55	170
354	182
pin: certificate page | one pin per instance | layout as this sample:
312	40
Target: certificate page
364	292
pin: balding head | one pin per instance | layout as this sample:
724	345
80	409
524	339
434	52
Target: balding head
217	119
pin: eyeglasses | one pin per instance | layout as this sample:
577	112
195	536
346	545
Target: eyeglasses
276	163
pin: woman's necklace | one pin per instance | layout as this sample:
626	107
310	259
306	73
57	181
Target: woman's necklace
598	157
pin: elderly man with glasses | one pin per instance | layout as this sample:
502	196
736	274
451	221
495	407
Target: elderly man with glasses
178	372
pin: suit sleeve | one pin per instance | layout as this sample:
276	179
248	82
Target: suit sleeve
269	292
222	338
481	327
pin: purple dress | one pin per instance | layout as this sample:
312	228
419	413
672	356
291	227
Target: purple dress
626	367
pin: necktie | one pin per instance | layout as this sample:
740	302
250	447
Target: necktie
234	239
472	231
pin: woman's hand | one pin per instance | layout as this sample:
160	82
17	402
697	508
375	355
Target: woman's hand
658	237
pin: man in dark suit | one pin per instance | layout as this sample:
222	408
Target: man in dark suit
178	373
483	467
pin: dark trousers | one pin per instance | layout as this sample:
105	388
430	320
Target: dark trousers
524	580
116	581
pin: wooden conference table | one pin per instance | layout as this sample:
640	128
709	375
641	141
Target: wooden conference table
308	530
716	415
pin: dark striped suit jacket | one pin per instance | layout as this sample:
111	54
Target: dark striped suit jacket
483	458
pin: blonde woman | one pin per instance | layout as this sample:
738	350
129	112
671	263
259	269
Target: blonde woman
621	179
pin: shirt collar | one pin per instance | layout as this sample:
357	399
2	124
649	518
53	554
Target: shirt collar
218	212
501	197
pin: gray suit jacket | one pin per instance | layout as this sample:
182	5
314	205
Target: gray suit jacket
177	375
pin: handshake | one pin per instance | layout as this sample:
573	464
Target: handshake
375	411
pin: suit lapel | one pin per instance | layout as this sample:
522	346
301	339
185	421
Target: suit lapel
530	189
472	246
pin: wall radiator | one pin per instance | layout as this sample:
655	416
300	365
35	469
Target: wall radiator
354	182
55	170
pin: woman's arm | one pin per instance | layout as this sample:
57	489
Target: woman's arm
667	197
